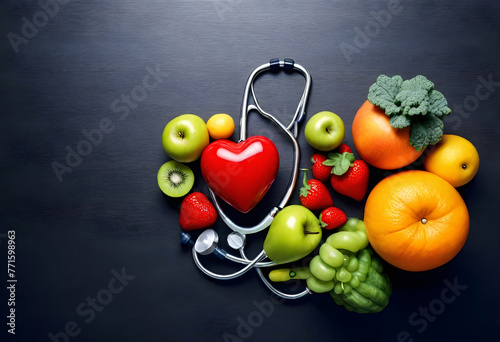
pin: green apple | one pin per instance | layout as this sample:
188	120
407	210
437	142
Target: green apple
325	131
185	137
294	233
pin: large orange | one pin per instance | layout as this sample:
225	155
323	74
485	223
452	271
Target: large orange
378	143
416	220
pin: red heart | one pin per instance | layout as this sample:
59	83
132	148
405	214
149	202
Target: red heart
240	173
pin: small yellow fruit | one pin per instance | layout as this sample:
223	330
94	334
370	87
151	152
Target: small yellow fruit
454	159
220	126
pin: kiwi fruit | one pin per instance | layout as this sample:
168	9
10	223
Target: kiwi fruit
175	179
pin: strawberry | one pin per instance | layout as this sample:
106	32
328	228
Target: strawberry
320	172
331	218
349	175
314	195
197	212
344	148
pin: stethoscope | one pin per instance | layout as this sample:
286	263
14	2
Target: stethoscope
207	241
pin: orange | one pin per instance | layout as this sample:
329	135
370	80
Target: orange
220	126
416	220
378	143
454	158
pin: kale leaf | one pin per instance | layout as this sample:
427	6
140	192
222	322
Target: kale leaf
411	103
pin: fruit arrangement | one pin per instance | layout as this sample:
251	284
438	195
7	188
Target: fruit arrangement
414	220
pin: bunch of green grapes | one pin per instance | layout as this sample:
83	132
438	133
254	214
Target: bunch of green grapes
347	269
339	266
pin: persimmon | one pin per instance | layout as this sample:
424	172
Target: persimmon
415	220
378	143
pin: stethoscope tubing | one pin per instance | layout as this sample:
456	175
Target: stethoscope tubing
251	264
291	131
255	264
266	282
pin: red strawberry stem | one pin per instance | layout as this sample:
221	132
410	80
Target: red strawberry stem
304	191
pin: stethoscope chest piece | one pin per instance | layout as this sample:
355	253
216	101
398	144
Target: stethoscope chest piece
207	242
236	240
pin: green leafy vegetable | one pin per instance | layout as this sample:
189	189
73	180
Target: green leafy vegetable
341	162
412	103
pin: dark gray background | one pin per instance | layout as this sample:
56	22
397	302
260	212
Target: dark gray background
108	215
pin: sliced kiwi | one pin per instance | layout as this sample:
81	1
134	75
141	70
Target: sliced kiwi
175	179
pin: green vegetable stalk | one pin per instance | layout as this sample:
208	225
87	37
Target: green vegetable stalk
412	103
347	269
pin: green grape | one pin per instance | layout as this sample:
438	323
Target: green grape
363	240
338	289
319	286
321	269
354	281
353	264
343	275
341	287
345	240
351	224
360	227
331	255
346	260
